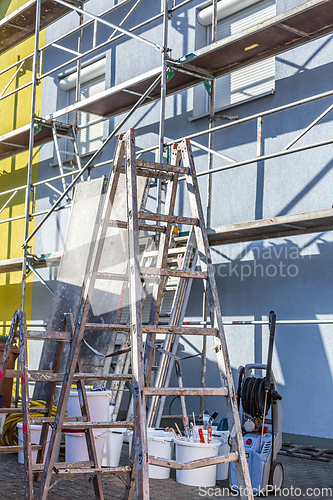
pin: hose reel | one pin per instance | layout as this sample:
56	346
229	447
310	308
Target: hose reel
257	394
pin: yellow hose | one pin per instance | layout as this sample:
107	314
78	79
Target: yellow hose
9	434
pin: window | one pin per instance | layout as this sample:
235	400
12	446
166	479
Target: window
90	138
252	81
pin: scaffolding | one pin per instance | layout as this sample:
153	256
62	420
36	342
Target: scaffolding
290	29
295	27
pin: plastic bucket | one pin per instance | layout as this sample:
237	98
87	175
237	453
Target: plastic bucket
112	449
186	451
35	437
222	469
76	446
99	402
160	444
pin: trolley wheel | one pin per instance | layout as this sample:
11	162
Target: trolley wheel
276	475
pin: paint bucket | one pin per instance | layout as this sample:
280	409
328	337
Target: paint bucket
76	445
114	439
35	437
98	401
187	451
160	444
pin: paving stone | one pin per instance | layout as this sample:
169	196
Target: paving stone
299	473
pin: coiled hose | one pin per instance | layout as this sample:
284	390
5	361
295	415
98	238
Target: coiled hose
10	434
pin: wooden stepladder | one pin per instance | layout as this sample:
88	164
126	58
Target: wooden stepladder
142	350
142	361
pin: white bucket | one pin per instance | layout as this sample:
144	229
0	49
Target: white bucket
76	446
35	437
222	469
112	448
160	444
99	403
187	451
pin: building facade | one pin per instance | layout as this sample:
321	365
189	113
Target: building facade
288	274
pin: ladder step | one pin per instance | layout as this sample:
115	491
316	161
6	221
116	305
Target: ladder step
59	336
186	391
112	276
50	420
14	449
179	330
195	464
162	166
152	271
50	376
173	219
142	227
124	277
107	327
72	423
20	410
63	465
150	173
92	471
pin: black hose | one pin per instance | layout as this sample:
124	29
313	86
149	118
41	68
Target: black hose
253	397
240	379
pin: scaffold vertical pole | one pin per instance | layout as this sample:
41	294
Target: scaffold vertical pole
30	159
165	6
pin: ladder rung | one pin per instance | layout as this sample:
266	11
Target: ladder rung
14	449
172	251
50	420
142	227
195	464
60	336
149	173
186	391
124	277
107	327
64	465
162	166
178	330
172	219
50	376
97	425
149	271
112	276
20	410
92	471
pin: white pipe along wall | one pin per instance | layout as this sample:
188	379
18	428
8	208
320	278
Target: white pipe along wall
88	73
224	9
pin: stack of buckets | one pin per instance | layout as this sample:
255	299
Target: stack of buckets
108	442
161	444
187	451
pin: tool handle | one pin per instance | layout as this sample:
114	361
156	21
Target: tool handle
210	433
272	321
178	368
202	439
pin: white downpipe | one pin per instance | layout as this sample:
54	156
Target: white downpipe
88	73
224	8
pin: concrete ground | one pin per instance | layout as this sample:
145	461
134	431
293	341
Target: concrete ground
303	478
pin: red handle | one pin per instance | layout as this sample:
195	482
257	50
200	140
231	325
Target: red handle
202	439
210	432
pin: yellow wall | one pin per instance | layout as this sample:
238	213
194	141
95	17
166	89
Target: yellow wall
15	112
